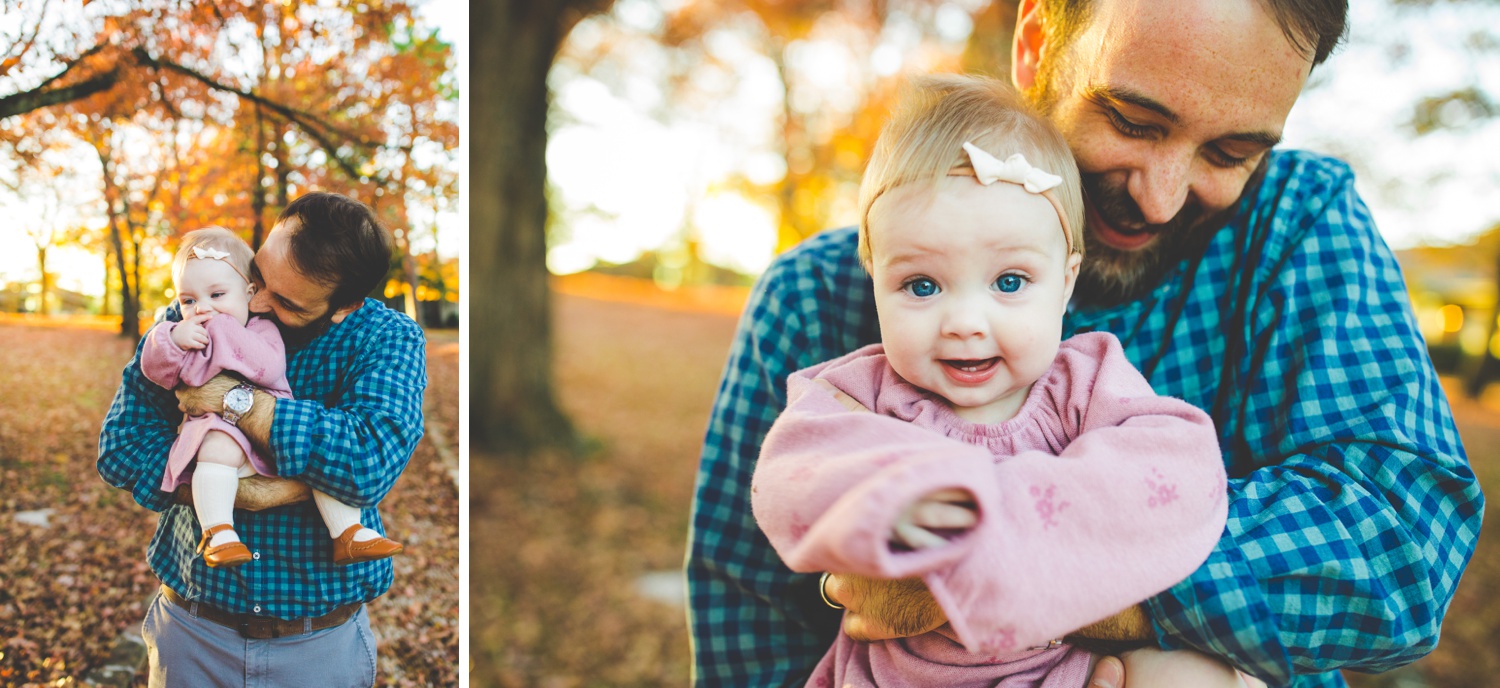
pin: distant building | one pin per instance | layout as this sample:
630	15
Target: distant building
25	297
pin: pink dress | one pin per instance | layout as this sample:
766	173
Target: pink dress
254	351
1097	495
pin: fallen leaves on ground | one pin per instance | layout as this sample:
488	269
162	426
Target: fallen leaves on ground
557	543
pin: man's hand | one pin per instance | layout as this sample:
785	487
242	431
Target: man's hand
1130	624
190	333
1154	668
884	609
933	519
196	401
259	492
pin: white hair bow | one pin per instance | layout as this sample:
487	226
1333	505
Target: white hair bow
988	169
205	253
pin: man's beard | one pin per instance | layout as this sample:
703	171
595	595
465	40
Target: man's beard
1110	275
298	337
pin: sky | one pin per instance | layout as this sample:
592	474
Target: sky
83	271
633	182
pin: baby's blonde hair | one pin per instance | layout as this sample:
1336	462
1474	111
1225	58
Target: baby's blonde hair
924	140
240	253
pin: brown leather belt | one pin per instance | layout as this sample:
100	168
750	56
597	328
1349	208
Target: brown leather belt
261	627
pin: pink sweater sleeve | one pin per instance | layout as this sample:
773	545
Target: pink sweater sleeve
255	351
1133	504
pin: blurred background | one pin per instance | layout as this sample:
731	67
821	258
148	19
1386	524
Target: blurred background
635	165
123	125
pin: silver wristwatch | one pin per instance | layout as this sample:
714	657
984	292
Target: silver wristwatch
237	402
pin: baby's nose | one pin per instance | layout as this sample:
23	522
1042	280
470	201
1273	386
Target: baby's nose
204	307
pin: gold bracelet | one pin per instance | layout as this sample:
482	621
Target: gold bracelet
823	591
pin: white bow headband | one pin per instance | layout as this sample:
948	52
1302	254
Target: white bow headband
987	169
210	253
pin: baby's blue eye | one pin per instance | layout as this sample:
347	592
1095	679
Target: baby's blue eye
922	287
1010	283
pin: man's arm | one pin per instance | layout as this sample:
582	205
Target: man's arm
355	448
258	493
209	398
753	622
137	435
1353	510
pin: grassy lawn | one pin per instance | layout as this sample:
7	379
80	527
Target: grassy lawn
557	545
69	588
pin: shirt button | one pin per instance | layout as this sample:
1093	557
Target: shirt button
255	556
257	609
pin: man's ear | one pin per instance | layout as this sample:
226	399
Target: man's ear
1070	276
340	314
1026	44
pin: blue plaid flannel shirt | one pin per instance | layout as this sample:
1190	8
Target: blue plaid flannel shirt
1353	510
352	427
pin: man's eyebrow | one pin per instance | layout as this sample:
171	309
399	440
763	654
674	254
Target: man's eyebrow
1136	98
1259	138
1125	95
290	304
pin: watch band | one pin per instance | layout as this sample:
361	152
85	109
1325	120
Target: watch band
232	416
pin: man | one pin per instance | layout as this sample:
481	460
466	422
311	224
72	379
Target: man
1248	281
357	371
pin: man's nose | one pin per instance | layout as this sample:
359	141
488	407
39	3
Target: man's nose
258	302
1161	187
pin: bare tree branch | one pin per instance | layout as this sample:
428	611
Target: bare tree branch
35	99
308	122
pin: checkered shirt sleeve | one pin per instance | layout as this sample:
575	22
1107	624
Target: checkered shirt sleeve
355	422
1353	510
751	623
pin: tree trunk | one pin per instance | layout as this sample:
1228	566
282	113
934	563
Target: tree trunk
1489	366
104	302
130	322
409	272
41	264
258	186
512	406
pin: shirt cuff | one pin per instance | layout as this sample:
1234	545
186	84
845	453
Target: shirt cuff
1219	610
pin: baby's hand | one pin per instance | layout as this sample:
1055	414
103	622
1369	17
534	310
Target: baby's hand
190	333
933	519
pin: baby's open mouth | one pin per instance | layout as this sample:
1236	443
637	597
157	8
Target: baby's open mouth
971	365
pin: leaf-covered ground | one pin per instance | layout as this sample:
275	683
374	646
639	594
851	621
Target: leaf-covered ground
69	589
558	544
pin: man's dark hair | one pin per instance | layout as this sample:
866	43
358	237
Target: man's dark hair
340	243
1314	27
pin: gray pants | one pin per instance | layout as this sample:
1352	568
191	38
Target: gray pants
190	652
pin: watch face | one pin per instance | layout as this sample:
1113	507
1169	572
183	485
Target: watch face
238	400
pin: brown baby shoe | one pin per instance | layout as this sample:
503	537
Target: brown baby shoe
346	551
226	555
